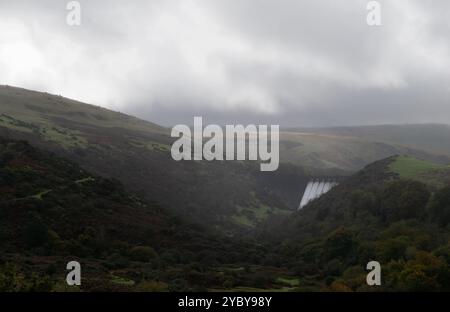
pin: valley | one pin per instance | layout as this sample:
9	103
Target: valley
80	181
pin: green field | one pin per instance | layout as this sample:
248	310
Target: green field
409	167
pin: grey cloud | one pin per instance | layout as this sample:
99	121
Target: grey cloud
297	63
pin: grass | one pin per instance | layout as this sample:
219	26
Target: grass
9	122
88	179
36	196
410	168
160	147
152	146
316	152
39	196
242	220
289	281
64	137
31	105
122	281
255	212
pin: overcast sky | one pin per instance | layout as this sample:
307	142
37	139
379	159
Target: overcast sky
288	62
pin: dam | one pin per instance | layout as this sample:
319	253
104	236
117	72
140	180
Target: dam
316	188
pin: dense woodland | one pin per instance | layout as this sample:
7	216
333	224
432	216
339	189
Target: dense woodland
374	215
52	211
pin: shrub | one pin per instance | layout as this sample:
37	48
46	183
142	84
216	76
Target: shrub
36	234
143	253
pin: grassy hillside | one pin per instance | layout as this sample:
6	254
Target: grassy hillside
432	174
137	152
432	138
225	195
44	109
383	213
409	167
221	194
316	149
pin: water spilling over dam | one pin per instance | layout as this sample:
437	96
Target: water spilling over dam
316	188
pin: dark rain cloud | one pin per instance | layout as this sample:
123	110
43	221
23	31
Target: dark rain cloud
290	62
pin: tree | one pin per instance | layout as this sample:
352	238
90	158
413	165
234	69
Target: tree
403	199
143	253
12	279
36	233
340	244
439	207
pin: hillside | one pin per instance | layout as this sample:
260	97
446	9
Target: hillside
420	136
225	195
172	225
388	212
53	212
228	195
349	151
412	139
435	176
